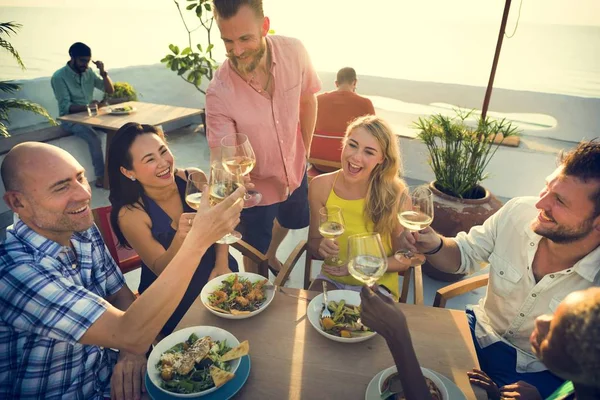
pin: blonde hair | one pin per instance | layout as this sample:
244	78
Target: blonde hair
385	182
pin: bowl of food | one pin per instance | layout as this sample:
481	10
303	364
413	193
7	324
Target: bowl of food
120	110
195	361
436	387
344	325
237	295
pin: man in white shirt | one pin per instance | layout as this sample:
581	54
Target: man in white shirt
539	251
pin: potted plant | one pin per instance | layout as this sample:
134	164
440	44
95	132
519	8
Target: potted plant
123	92
459	152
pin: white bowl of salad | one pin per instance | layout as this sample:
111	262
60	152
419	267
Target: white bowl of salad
344	325
184	363
237	295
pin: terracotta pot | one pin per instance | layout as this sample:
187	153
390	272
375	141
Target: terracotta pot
453	215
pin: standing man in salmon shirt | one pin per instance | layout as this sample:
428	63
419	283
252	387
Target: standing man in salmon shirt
266	90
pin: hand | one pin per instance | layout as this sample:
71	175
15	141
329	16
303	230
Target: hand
520	390
380	313
479	378
185	224
336	270
421	242
100	65
328	248
247	184
218	271
127	381
212	223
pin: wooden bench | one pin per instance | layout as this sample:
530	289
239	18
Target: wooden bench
40	135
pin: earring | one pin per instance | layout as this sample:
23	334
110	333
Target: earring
132	178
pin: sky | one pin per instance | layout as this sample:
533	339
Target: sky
565	12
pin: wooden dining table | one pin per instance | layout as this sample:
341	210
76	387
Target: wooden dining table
291	360
145	113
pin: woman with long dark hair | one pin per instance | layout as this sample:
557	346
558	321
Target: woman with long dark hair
149	212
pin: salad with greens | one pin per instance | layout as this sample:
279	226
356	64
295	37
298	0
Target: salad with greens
345	321
186	367
238	295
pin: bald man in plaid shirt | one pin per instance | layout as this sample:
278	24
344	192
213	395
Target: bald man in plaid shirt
64	305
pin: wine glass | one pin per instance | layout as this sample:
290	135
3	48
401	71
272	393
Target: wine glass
415	213
222	184
238	157
193	189
367	260
331	226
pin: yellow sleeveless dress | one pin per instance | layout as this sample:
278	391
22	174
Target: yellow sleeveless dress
354	221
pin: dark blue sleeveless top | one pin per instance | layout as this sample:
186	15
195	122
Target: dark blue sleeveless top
163	232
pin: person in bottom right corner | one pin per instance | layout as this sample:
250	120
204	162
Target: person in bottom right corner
567	342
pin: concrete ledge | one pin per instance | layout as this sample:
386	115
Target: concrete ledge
41	135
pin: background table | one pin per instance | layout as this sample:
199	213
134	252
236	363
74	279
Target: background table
290	360
146	113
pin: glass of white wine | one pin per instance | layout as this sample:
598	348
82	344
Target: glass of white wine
222	184
367	260
415	214
237	156
193	189
331	226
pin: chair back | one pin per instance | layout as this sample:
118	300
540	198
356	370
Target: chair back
326	146
127	259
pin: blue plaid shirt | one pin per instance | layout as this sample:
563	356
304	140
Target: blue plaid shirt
49	297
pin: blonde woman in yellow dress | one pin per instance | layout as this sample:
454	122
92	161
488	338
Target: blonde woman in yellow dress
367	189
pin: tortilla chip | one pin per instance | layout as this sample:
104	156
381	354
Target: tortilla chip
219	376
217	309
237	352
238	312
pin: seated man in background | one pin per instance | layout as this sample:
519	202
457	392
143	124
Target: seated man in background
539	251
64	305
335	110
566	342
73	87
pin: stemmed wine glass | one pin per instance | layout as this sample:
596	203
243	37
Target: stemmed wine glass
367	260
415	213
331	226
193	189
222	184
238	158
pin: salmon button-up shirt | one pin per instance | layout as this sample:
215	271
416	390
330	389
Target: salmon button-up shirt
272	123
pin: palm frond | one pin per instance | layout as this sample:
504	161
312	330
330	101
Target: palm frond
24	105
9	28
9	86
9	47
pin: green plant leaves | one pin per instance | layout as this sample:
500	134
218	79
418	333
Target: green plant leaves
174	49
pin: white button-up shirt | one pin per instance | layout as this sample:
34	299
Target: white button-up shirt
514	300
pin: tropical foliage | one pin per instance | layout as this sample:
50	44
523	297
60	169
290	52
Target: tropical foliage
8	29
459	153
123	90
194	62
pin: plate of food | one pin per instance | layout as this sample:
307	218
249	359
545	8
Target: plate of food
237	295
195	361
436	387
344	325
121	110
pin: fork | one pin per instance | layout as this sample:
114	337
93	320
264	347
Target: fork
325	313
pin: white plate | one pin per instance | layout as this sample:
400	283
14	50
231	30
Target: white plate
426	373
181	336
454	392
214	284
112	111
315	307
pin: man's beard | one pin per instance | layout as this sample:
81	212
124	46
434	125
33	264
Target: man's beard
565	235
255	57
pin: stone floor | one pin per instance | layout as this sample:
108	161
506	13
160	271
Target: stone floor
190	149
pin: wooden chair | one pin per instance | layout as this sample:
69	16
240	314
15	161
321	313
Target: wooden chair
302	247
458	288
128	260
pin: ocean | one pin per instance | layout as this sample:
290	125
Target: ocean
562	59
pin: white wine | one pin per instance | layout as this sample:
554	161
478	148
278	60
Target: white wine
239	165
331	229
414	220
219	191
366	268
193	200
